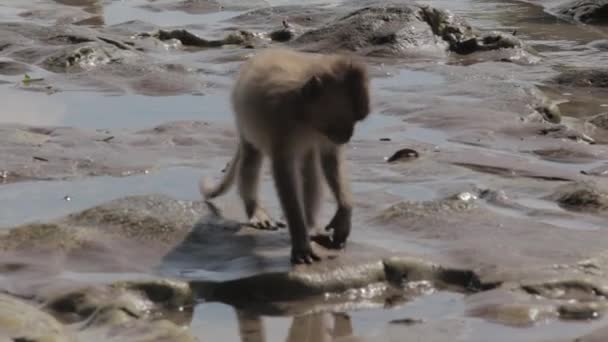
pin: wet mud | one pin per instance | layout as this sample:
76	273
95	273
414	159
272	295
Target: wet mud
479	179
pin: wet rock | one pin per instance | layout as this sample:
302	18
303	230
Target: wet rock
372	31
583	78
403	155
550	112
108	58
600	44
565	155
21	321
407	321
581	196
85	57
585	11
462	202
286	33
121	302
565	132
335	276
601	171
579	290
131	311
581	311
461	37
396	30
189	39
124	235
515	314
600	120
10	68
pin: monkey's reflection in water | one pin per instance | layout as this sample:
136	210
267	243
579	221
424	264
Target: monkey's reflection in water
316	327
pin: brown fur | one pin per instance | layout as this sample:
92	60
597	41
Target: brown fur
299	109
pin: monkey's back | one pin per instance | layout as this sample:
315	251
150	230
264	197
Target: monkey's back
262	98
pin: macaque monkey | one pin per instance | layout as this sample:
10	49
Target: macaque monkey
299	109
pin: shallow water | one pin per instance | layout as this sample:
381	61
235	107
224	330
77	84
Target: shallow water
442	101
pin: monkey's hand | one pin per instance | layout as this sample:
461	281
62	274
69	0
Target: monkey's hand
339	226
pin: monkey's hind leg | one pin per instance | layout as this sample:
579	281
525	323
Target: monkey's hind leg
285	173
248	183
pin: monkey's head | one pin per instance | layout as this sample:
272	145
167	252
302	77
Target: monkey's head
335	100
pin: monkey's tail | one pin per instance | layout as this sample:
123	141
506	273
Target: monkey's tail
208	191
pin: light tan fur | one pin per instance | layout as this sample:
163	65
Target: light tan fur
299	109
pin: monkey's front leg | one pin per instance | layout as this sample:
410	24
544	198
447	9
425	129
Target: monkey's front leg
284	172
332	161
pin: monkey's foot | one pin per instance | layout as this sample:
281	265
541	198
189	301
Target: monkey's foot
328	241
304	256
261	220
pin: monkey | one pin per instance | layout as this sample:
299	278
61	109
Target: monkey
300	110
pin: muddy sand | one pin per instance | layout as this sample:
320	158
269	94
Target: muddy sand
480	178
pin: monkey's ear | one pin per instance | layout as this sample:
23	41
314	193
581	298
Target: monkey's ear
312	88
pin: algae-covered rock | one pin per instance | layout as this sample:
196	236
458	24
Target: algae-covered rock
122	301
22	321
581	196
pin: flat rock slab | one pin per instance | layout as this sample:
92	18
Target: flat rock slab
156	234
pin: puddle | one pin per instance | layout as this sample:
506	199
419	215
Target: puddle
440	316
94	110
44	200
122	11
361	323
407	79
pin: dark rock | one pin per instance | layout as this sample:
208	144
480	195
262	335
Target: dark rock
402	155
583	78
586	11
286	33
